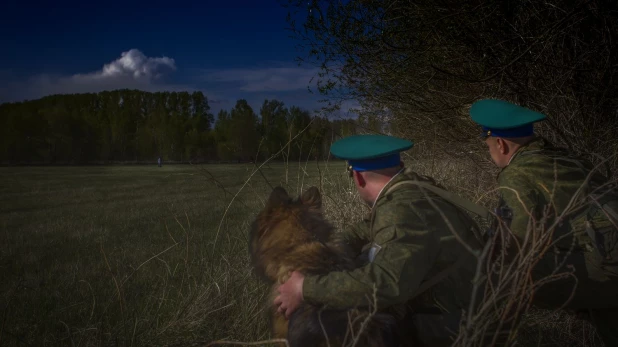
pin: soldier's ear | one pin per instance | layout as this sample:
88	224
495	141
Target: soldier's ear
312	198
502	145
360	180
277	197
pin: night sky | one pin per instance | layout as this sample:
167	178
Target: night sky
226	49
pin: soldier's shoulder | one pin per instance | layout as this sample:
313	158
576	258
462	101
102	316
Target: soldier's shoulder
548	161
408	188
412	194
543	152
529	161
397	214
401	198
400	203
532	168
515	173
528	156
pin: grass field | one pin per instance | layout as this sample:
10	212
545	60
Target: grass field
141	255
126	255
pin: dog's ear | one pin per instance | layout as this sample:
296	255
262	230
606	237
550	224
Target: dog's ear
278	196
312	198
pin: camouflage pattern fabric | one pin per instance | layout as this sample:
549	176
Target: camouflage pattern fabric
410	242
543	179
536	172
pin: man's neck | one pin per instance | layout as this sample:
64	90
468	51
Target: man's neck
512	155
382	185
517	146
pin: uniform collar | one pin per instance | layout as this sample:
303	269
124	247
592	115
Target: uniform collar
536	143
513	156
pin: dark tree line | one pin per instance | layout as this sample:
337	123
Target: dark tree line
137	126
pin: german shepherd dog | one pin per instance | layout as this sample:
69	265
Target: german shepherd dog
292	234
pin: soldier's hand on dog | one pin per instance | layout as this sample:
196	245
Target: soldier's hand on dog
290	294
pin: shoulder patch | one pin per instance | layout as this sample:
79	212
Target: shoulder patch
373	251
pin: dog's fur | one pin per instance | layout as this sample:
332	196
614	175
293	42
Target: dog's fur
293	235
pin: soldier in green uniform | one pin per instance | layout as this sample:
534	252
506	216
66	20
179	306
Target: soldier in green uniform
416	262
538	180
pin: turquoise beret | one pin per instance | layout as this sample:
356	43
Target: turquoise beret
504	119
370	152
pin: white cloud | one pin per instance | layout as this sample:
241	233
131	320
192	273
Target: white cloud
132	64
132	70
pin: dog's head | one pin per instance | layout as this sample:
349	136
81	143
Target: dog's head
285	223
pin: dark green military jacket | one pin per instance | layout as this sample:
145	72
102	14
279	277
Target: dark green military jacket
410	242
541	179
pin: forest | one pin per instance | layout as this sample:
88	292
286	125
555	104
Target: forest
138	127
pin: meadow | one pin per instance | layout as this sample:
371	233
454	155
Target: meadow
136	255
142	255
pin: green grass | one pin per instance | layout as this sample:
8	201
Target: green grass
125	255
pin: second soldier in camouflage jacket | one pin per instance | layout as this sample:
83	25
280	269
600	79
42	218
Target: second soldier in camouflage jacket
542	180
563	206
